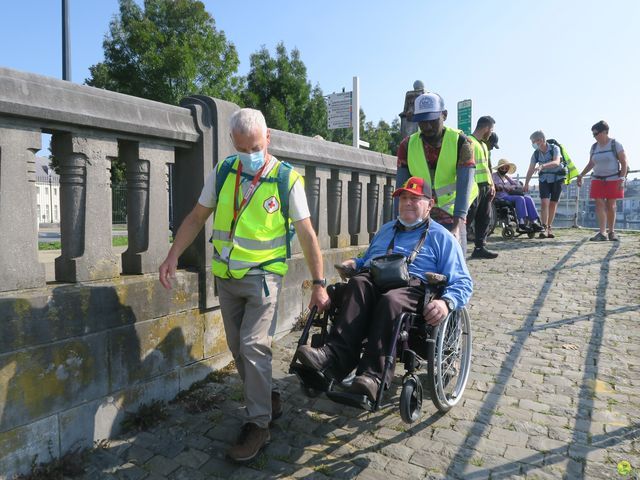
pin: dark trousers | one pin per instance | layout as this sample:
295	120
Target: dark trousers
480	214
367	313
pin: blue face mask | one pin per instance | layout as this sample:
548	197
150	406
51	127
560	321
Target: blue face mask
535	146
252	162
412	224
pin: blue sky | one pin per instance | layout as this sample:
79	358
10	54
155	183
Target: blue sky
558	66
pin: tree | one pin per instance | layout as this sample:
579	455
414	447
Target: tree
166	52
280	89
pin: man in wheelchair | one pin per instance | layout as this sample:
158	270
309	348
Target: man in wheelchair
369	308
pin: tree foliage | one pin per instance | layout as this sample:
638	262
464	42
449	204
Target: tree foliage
278	86
166	51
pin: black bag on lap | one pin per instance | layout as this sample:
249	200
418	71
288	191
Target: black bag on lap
392	270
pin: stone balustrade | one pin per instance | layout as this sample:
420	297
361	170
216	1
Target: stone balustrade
77	353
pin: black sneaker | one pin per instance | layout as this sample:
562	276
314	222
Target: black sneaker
482	252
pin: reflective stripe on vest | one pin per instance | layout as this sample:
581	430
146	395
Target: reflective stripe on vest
259	237
444	183
481	156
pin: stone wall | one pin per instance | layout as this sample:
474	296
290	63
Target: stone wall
77	353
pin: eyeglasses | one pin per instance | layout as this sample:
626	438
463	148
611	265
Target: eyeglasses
595	134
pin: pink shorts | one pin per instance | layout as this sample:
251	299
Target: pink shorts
610	189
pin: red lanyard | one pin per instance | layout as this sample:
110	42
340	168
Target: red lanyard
252	188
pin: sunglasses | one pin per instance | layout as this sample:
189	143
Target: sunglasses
595	134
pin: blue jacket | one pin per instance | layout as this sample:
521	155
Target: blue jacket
440	253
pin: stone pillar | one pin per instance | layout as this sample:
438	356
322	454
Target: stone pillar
147	205
323	176
387	200
18	218
85	204
354	208
192	167
373	193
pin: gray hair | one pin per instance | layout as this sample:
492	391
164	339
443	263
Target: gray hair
246	120
537	135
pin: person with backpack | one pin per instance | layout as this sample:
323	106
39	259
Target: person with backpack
251	238
551	175
609	163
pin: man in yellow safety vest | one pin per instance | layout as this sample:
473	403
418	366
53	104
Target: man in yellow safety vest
480	210
443	156
250	239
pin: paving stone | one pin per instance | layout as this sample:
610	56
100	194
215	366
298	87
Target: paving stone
161	465
192	458
532	408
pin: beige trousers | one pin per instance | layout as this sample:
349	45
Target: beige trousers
249	317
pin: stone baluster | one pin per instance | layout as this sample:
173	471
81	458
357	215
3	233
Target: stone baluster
373	192
19	267
85	203
387	202
147	205
334	207
354	207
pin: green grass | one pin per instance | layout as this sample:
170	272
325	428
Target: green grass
146	417
119	241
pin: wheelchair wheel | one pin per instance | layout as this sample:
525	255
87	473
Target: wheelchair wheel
449	365
411	399
507	232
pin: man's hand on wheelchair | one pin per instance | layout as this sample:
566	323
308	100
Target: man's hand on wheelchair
434	312
319	298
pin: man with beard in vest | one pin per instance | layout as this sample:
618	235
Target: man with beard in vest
443	156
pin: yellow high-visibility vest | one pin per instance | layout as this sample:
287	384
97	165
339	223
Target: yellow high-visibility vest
444	183
259	237
481	156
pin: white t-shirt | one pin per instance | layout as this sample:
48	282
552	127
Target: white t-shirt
298	208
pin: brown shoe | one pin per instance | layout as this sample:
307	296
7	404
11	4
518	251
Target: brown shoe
252	439
365	385
316	358
276	406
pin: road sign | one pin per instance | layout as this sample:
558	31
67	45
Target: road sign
464	116
339	106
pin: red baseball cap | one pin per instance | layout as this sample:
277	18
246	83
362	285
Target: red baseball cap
415	185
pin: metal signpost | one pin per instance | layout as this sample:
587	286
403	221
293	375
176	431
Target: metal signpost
344	112
464	116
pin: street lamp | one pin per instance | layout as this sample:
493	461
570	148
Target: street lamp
66	57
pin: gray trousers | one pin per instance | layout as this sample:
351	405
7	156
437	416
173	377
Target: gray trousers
249	317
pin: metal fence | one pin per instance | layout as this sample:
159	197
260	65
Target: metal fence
576	209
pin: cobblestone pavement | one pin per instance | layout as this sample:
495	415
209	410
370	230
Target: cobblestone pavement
554	390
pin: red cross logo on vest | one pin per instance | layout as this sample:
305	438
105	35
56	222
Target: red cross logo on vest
271	204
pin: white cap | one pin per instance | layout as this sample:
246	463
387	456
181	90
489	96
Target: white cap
427	106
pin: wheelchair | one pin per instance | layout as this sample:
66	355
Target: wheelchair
444	352
505	217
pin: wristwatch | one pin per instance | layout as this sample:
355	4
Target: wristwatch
322	282
450	305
